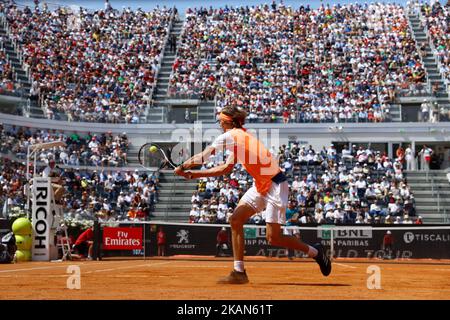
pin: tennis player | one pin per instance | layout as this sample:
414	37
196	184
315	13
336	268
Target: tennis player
270	191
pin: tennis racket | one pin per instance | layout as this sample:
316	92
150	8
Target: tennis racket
153	155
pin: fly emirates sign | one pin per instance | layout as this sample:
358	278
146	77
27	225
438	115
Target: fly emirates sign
122	238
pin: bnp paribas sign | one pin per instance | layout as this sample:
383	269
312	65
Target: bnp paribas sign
324	232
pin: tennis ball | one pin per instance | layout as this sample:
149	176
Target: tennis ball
23	242
153	149
23	255
22	226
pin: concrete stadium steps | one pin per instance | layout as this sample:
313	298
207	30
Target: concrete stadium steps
174	217
429	60
168	193
206	112
174	198
132	155
173	206
431	207
432	194
157	113
424	180
431	217
426	185
395	112
425	195
177	184
180	199
13	58
31	108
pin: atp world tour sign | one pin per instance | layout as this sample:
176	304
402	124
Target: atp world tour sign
41	219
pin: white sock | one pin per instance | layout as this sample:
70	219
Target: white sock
239	266
312	252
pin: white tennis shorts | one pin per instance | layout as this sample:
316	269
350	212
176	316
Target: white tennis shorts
275	201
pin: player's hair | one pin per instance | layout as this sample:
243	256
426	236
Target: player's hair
237	114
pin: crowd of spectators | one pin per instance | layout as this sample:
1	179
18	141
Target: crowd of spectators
100	150
331	64
12	180
357	185
107	195
436	19
110	195
97	66
121	194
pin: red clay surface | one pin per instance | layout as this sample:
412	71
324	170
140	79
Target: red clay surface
189	278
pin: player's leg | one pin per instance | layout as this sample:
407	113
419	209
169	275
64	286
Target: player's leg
240	215
277	199
275	237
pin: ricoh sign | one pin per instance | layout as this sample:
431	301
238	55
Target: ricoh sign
41	219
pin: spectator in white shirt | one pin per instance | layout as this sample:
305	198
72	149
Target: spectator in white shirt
346	154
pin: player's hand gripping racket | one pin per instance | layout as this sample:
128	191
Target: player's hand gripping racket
153	155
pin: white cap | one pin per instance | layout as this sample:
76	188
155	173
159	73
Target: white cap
388	232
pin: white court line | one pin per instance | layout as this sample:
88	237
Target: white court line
75	262
128	267
30	269
442	269
344	265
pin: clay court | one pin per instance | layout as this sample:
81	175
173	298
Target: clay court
189	278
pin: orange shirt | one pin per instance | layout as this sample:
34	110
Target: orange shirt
132	214
252	154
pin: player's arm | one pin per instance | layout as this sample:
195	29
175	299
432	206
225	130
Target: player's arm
216	171
198	159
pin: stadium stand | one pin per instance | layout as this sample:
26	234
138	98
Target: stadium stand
361	186
5	73
104	195
290	68
101	150
90	66
271	60
436	20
